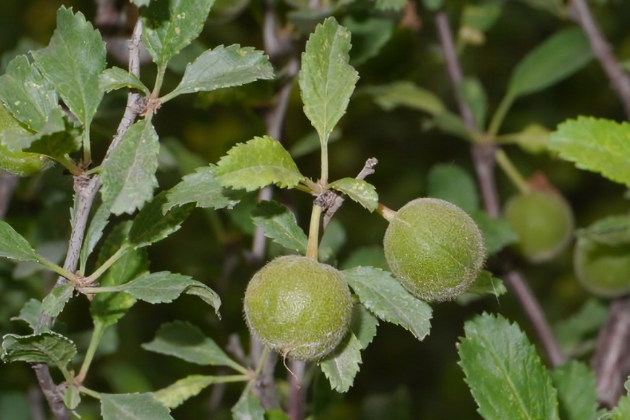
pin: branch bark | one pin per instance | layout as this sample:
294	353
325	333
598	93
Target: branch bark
484	160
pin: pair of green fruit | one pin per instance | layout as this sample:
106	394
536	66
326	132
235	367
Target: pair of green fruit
302	308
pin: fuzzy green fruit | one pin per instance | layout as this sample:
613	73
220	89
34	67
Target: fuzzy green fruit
601	258
298	307
434	249
543	222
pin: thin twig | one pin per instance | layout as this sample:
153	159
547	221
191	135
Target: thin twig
8	182
297	390
483	158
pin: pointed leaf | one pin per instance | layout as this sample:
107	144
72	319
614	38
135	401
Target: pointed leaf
56	300
170	25
497	233
132	407
14	246
408	94
129	173
259	162
224	67
343	364
72	397
30	313
174	395
117	78
326	79
595	145
72	62
279	224
452	183
506	376
577	393
622	411
26	93
202	187
388	300
187	342
363	325
358	190
151	225
50	348
248	407
554	60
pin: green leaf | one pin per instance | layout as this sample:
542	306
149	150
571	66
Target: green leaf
279	224
132	407
175	394
72	62
577	393
49	347
326	79
224	67
369	36
204	189
170	25
407	94
310	143
370	255
497	233
30	313
21	163
141	3
481	16
363	325
452	183
14	246
432	5
484	284
595	145
94	232
358	190
72	397
391	4
533	139
56	300
27	94
474	95
165	287
151	225
554	60
129	173
342	365
117	78
52	140
505	375
180	339
622	411
259	162
388	300
574	331
248	407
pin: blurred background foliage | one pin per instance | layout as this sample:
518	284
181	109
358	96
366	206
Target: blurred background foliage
400	378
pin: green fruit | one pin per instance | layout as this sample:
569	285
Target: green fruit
434	249
601	258
298	307
543	222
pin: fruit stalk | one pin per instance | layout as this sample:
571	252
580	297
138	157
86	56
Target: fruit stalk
313	233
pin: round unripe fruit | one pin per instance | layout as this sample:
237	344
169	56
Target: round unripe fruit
601	258
543	222
434	249
298	307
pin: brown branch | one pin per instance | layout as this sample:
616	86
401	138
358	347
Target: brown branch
484	160
8	182
297	390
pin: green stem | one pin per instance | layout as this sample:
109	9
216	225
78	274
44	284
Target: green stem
89	392
262	361
313	233
387	213
97	334
66	375
87	148
510	170
500	114
67	163
159	79
99	272
324	178
62	272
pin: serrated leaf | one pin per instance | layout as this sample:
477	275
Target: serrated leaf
56	300
204	189
14	246
497	233
554	60
129	173
279	224
343	364
183	340
407	94
132	407
170	25
577	393
72	62
248	407
505	375
595	145
117	78
259	162
358	190
622	411
224	67
175	394
452	183
94	232
388	300
484	284
151	225
326	79
49	347
26	94
363	325
30	313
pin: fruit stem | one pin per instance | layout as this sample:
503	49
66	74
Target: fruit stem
313	233
510	170
387	213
